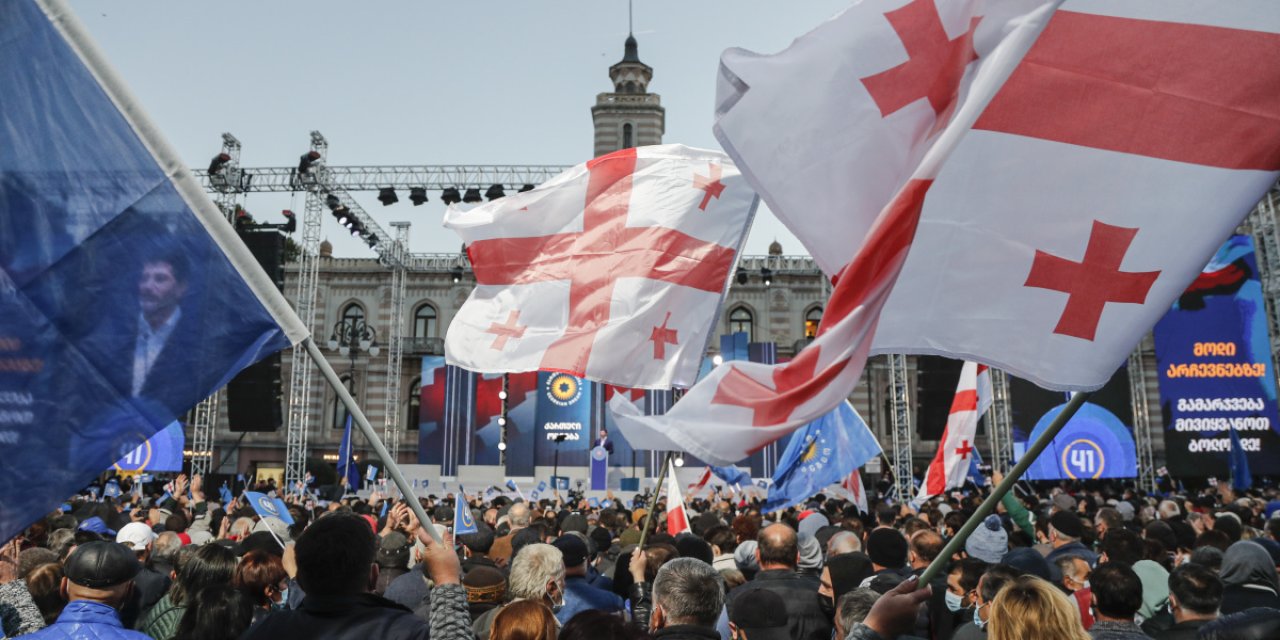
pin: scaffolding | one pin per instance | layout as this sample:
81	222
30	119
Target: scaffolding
1141	420
901	419
395	343
1000	422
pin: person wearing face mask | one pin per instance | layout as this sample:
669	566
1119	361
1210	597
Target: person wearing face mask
537	573
953	606
98	581
1075	580
996	577
261	576
841	575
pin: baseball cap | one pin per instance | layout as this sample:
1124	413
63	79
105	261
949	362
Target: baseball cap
136	536
100	564
573	548
762	614
96	525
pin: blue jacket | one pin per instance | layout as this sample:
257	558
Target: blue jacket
85	620
580	596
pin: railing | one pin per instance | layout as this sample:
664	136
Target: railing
423	346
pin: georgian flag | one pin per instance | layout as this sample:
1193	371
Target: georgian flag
1009	182
698	486
852	486
954	460
677	518
613	271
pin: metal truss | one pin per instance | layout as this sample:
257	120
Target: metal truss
1000	421
295	467
395	344
372	178
1141	420
1265	227
901	420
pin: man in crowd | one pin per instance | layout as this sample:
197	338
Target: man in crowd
1117	596
778	553
687	600
518	517
996	577
1065	530
537	573
579	595
98	580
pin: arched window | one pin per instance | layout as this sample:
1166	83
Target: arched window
627	138
630	87
741	321
339	409
415	401
424	322
353	312
812	318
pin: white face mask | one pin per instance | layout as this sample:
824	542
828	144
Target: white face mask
954	602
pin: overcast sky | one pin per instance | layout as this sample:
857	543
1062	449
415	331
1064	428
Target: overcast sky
399	82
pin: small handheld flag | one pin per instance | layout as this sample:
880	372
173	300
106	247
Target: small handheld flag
462	520
224	492
266	506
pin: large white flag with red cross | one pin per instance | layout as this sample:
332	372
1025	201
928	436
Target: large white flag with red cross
614	270
1070	169
950	466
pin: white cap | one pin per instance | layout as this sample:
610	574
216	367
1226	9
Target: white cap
136	536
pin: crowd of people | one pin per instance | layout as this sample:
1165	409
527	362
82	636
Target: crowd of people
1064	562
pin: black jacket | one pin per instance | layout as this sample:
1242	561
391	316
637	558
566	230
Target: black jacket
355	617
805	618
686	632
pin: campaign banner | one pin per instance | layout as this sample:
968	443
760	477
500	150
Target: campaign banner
161	452
1096	443
1216	374
446	414
563	420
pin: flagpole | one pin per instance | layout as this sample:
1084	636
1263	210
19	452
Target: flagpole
653	503
954	545
354	410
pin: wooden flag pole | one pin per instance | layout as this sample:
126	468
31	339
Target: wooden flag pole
653	502
367	429
953	546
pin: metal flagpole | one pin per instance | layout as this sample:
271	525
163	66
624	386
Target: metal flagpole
372	436
1015	474
653	503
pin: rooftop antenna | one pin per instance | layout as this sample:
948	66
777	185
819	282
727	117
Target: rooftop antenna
630	18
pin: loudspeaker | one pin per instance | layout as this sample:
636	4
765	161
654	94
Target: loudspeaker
936	380
631	484
255	395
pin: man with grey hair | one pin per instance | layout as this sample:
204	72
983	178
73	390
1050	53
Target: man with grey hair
687	599
853	608
518	516
537	572
164	553
843	542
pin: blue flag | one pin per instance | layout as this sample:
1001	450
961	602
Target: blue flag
224	494
268	507
128	297
975	471
1240	477
371	474
594	503
821	453
347	467
111	490
161	452
511	486
732	475
463	522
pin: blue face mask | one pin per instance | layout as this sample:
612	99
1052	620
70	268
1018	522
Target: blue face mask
284	601
977	619
954	602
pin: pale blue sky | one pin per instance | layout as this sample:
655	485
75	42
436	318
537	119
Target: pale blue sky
399	82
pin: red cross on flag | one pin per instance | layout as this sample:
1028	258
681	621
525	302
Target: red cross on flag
677	517
614	270
950	466
1025	183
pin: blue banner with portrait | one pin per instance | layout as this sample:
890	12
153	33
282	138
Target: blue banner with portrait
122	309
1213	353
563	420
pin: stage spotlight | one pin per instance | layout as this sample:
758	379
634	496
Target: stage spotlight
456	272
417	196
333	202
502	395
717	360
219	161
742	276
502	446
526	187
290	221
308	160
450	195
680	461
502	422
495	191
243	219
387	196
472	195
766	274
371	240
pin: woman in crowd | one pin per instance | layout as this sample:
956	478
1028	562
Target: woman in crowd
211	564
261	576
524	620
1250	578
1030	607
217	612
